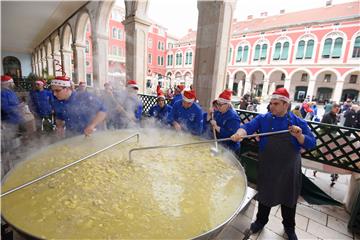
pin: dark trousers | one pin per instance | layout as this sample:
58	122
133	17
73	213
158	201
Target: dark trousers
287	213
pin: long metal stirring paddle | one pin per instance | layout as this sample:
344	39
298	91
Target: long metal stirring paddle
68	165
202	142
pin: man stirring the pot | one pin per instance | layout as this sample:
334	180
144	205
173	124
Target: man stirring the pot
279	174
79	113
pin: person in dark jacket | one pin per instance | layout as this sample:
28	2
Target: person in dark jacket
226	122
279	175
331	117
351	117
41	105
161	110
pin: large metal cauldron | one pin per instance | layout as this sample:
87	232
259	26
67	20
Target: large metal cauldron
168	193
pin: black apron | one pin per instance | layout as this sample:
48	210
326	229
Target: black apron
279	172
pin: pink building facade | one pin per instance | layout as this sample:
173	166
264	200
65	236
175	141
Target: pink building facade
313	53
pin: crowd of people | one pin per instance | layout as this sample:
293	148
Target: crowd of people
65	111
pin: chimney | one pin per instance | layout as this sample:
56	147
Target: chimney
263	14
282	11
250	17
328	3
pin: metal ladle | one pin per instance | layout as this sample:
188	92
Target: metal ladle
68	165
202	142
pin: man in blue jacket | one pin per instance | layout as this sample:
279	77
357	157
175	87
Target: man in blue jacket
11	119
79	113
226	121
279	170
161	110
187	115
40	104
178	94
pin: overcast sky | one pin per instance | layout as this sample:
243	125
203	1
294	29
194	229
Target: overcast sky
180	15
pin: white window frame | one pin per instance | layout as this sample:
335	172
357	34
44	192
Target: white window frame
333	35
281	40
306	38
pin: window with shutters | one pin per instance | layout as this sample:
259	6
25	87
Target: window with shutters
327	48
257	52
263	52
300	50
277	51
309	49
239	54
356	49
336	53
285	51
245	55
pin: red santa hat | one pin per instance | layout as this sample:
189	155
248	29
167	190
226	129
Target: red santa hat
61	81
189	96
6	79
180	87
160	94
225	96
281	94
132	84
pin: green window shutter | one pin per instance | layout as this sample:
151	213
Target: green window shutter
246	52
263	52
300	50
309	49
187	58
190	58
229	57
180	58
356	50
337	48
327	48
285	51
239	54
276	55
257	52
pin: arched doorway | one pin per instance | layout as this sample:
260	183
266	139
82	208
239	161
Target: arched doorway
351	86
12	67
239	83
299	84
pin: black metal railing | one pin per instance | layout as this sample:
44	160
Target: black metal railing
23	84
336	146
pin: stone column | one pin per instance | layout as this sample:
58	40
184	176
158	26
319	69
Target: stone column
100	59
66	62
240	88
212	43
57	59
287	84
79	62
264	92
44	66
231	82
311	88
38	72
247	87
136	50
336	97
50	64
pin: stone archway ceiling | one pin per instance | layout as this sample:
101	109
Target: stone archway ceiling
45	17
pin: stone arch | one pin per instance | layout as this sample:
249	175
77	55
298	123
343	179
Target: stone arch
257	77
66	37
80	26
324	88
299	83
12	66
101	23
277	78
299	70
49	49
238	86
351	87
338	75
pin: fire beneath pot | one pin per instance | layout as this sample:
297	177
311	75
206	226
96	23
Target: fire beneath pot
167	193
